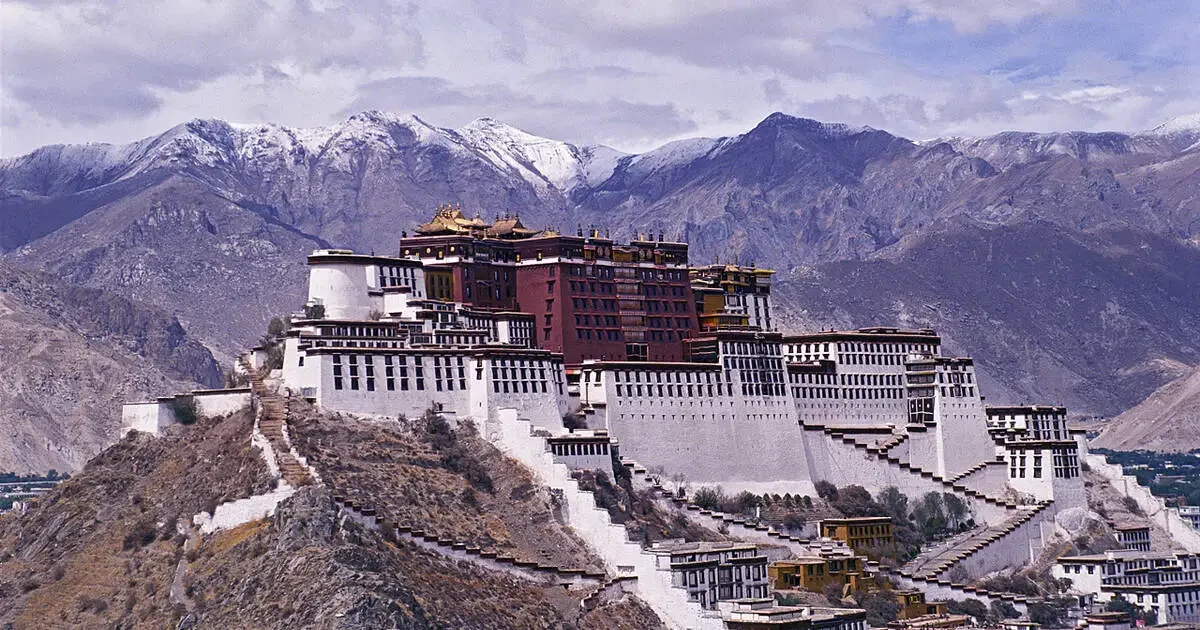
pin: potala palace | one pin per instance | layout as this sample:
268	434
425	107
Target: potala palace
679	369
680	365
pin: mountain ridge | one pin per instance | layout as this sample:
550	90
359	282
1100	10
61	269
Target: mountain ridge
211	220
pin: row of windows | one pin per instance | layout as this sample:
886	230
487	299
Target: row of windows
955	377
871	359
393	276
889	393
749	348
584	304
641	376
669	322
1065	462
958	391
573	449
755	363
598	334
359	331
878	380
813	379
585	287
671	390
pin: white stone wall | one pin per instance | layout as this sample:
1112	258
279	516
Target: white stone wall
594	527
147	417
1016	549
343	289
411	403
991	480
940	592
1154	507
843	464
241	511
962	431
924	450
221	402
755	446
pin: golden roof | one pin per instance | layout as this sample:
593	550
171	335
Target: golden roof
449	219
510	227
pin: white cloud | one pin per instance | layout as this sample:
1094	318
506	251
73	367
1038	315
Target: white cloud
631	74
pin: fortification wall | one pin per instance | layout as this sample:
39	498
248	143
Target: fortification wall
1154	507
147	417
753	447
592	524
991	480
1013	550
942	591
842	464
221	402
923	450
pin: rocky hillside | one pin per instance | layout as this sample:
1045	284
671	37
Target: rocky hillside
113	547
210	220
70	356
1168	420
1090	321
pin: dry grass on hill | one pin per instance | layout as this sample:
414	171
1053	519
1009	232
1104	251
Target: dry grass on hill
102	550
104	544
397	471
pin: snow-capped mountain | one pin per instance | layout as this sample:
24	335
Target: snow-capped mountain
211	216
550	166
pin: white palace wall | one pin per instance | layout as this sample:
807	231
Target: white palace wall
344	289
741	443
1154	507
842	464
923	450
962	434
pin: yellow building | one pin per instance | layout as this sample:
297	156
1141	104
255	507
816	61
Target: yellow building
913	605
862	533
816	574
732	296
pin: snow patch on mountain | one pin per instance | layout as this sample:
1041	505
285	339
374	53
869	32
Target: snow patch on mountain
599	163
1180	124
538	160
676	153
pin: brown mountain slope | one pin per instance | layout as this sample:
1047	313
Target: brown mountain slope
112	548
212	222
1168	420
223	269
70	356
1093	321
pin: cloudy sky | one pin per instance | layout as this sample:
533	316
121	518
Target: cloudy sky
628	74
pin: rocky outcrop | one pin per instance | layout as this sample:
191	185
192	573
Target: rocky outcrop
70	356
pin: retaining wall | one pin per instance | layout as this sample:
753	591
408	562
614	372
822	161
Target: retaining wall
592	524
1154	507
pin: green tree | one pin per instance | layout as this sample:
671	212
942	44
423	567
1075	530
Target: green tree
276	328
1050	612
894	504
1004	610
956	508
826	490
854	500
709	498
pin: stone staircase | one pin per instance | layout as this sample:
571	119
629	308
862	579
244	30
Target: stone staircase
491	559
273	425
654	585
925	573
934	561
883	455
